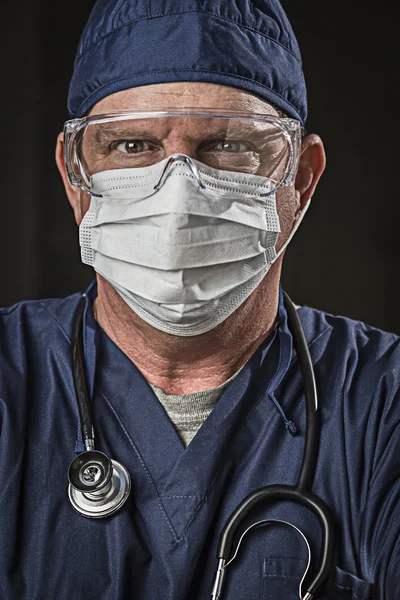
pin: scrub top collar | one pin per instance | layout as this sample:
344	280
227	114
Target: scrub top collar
279	343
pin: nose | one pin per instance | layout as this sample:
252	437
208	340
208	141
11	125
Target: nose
180	145
188	162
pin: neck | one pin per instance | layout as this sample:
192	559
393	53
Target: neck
182	365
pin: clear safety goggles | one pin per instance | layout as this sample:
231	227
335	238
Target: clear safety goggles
226	140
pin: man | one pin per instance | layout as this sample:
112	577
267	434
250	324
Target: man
188	173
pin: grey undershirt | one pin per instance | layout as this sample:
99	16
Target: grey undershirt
189	411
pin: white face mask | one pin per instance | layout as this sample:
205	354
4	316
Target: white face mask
181	259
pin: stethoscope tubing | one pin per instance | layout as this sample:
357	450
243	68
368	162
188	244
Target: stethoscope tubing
81	392
301	492
313	428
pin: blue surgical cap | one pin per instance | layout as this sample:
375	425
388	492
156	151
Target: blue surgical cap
241	43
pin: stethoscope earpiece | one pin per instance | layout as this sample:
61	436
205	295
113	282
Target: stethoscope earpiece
98	486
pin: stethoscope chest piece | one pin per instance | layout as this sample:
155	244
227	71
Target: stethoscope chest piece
98	486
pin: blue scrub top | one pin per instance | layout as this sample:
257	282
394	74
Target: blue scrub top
162	544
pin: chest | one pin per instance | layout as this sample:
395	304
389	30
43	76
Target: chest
162	543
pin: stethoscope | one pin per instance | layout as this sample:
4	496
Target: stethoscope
99	486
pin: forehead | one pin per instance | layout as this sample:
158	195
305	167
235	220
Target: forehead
184	94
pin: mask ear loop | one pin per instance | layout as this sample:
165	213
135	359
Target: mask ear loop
268	522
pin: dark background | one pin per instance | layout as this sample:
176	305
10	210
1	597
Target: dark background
345	257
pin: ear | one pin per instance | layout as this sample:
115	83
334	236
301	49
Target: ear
311	166
77	198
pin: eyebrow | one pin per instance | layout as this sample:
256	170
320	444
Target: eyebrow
105	134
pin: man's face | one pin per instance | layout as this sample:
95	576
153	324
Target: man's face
178	139
181	136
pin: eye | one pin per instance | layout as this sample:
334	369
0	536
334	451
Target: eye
233	146
132	146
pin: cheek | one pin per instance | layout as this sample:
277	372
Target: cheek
81	206
84	203
286	206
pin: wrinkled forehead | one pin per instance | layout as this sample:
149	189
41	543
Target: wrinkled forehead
184	94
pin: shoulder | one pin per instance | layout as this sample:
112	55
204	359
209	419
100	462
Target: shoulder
348	340
35	356
357	370
28	326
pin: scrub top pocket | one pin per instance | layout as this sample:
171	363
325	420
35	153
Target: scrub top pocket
350	587
281	578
